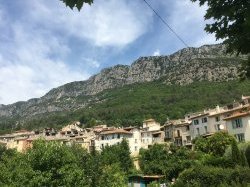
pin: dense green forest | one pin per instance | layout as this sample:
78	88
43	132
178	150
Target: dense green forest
131	104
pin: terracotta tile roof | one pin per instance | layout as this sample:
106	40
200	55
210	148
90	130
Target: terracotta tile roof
230	110
128	128
199	115
148	176
21	138
237	115
47	138
148	120
22	131
158	132
180	122
116	131
147	131
16	134
3	142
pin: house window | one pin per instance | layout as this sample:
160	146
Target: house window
102	137
205	127
118	136
188	139
196	122
135	148
240	137
217	118
113	136
178	133
187	128
167	135
204	120
237	123
198	131
178	142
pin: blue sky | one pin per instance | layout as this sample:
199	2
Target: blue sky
44	44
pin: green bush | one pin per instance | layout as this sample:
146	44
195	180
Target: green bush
206	176
215	144
222	162
248	154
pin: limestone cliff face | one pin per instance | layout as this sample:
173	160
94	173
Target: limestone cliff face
207	63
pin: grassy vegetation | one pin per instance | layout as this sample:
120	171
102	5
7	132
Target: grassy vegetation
131	104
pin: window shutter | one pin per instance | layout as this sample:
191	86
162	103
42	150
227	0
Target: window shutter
234	124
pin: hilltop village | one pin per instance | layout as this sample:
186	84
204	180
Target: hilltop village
233	118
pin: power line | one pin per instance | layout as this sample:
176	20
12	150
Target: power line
169	27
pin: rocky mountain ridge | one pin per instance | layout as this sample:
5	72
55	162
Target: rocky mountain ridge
207	63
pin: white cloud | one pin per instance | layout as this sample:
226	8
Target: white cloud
20	82
28	68
33	57
187	19
91	62
157	53
207	39
39	41
105	23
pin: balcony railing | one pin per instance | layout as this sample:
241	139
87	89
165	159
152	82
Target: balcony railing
158	140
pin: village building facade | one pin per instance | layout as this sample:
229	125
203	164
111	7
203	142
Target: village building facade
233	118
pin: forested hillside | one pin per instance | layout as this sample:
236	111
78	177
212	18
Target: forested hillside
131	104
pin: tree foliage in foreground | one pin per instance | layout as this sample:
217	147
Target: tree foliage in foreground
54	164
206	176
215	144
231	22
168	161
76	3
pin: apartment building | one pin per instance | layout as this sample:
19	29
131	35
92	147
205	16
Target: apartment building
178	132
238	125
134	142
111	137
199	125
151	133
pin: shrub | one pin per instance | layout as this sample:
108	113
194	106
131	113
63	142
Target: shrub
206	176
223	162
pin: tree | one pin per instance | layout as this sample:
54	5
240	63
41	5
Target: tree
248	154
124	156
161	160
94	168
215	144
113	176
118	154
231	23
236	156
207	176
56	164
243	159
16	171
76	3
152	160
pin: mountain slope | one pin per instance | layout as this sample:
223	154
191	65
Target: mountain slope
131	104
207	63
